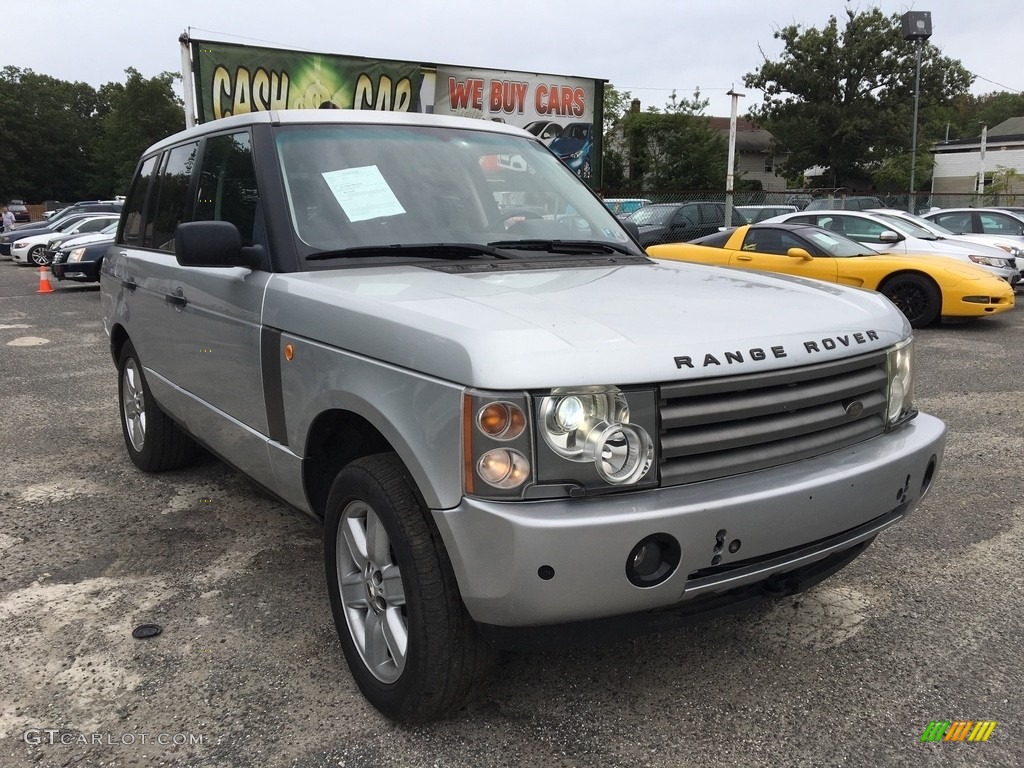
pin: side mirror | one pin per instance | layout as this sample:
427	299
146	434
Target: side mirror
889	236
799	253
213	244
632	227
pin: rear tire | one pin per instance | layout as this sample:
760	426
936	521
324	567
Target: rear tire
154	442
413	649
917	297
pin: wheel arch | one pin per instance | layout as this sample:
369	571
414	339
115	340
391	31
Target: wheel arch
336	438
908	272
118	338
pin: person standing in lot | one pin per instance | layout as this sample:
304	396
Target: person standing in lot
8	220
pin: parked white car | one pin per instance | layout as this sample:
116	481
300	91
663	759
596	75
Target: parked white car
32	250
1014	247
892	235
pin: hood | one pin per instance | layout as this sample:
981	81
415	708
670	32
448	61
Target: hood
76	241
638	323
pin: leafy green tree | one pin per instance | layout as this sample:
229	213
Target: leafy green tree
969	113
675	149
48	135
843	98
613	160
136	114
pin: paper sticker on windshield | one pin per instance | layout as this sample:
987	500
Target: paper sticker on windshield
363	193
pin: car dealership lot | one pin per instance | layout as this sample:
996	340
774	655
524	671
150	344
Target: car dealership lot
925	626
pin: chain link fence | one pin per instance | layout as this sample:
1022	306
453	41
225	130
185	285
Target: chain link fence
799	198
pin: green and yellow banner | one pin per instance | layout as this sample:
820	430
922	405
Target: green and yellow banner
234	79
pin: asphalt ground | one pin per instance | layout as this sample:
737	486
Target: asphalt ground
925	626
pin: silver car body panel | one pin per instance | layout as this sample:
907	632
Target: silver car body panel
497	549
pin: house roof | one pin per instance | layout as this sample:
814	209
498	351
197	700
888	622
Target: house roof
1012	127
749	137
1009	133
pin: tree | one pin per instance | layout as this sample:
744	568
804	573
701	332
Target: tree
48	135
843	99
675	149
137	114
969	113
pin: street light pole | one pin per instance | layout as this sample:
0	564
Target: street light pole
917	27
912	207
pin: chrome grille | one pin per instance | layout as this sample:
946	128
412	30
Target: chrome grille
719	427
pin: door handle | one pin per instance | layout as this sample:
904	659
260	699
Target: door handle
128	284
176	299
744	258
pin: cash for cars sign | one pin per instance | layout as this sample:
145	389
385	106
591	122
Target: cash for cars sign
559	110
235	79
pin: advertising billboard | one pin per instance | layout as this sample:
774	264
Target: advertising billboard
234	79
558	110
563	112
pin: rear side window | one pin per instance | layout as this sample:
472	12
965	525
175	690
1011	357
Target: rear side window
227	184
997	224
173	201
135	204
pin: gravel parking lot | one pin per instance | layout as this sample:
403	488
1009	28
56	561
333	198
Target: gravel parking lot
925	626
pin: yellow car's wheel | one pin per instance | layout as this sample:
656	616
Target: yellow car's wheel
916	296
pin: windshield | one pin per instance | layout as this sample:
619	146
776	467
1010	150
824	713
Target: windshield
906	227
652	215
930	226
836	245
374	186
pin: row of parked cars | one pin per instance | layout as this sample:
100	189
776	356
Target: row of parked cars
71	242
929	271
951	263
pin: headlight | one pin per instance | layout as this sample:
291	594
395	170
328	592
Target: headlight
900	366
1013	250
592	426
567	442
990	261
77	254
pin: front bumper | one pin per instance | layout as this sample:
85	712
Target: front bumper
82	271
522	564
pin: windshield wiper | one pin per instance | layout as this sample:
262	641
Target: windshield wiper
564	246
415	250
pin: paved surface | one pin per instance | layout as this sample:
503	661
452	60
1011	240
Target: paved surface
248	672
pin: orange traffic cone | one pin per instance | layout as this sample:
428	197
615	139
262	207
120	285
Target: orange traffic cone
44	281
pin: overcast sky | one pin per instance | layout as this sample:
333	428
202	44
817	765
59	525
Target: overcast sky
647	47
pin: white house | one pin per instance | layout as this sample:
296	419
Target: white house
959	163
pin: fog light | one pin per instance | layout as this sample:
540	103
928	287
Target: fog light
652	560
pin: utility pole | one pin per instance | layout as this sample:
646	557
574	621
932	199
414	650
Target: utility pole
730	169
981	171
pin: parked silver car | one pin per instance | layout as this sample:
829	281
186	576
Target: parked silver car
512	423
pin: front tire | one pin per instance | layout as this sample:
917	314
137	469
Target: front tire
917	297
154	442
413	650
37	256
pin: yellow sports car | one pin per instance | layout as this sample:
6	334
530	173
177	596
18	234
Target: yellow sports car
923	286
